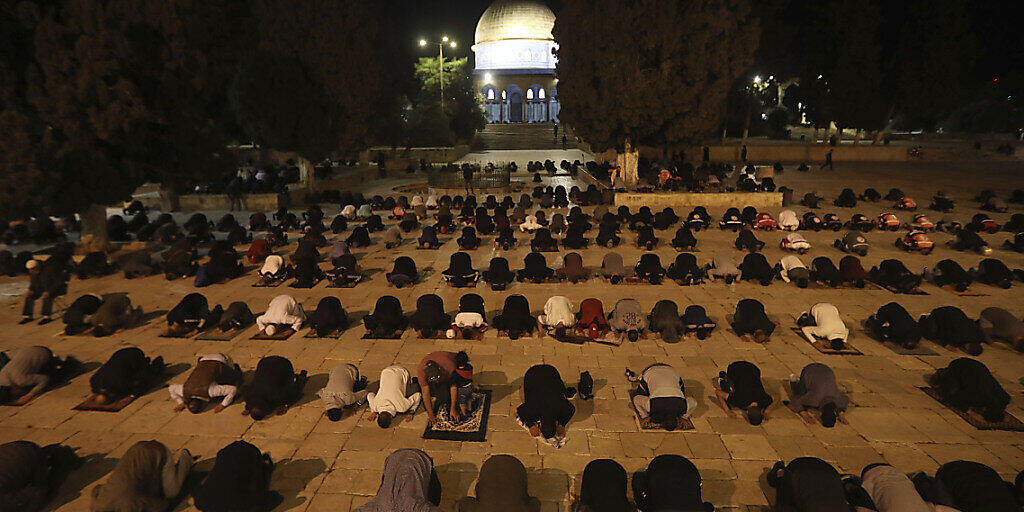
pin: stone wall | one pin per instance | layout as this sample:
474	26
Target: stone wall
402	156
787	154
677	200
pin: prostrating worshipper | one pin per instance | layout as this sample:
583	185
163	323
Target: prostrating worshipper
557	225
223	265
950	327
574	237
46	282
429	318
695	319
146	478
559	316
94	264
305	267
506	239
747	241
30	475
846	199
258	251
445	223
950	272
684	239
460	272
239	481
284	312
740	387
437	375
128	372
468	241
339	224
214	376
751	322
968	240
795	242
387	319
851	272
515	319
498	274
403	273
409	222
723	266
665	219
114	314
572	269
871	195
684	270
273	270
409	483
893	323
999	324
612	268
360	237
755	267
791	269
817	388
853	241
628	320
428	238
483	222
469	320
891	491
664	319
646	239
236	316
823	271
607	232
894	274
967	384
192	313
345	389
603	488
274	387
345	272
139	264
30	371
328	317
546	410
591	320
542	241
535	269
258	222
649	268
823	321
993	272
660	397
78	316
530	224
670	483
392	237
731	219
788	220
389	401
501	487
975	487
1017	244
808	484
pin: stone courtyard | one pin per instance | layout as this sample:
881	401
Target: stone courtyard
324	465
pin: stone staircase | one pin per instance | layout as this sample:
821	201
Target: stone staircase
522	136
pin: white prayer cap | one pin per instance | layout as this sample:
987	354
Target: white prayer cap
31	264
270	330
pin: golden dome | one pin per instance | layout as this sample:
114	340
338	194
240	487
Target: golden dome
515	19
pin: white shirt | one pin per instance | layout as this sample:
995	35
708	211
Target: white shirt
416	201
349	211
662	382
530	224
892	491
796	241
431	201
284	309
227	391
390	398
789	262
558	310
788	220
468	319
827	323
271	265
338	392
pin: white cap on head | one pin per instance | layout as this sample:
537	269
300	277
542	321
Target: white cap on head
270	330
31	264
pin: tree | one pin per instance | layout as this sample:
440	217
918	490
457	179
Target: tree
650	72
462	116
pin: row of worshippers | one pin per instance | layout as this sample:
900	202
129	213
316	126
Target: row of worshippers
36	230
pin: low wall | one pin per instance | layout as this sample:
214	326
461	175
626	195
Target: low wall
794	153
440	155
204	202
659	200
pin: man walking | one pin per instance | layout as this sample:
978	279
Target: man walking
828	161
467	174
46	281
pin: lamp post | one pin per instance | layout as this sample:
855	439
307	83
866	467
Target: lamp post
440	60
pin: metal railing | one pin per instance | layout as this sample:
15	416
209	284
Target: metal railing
481	179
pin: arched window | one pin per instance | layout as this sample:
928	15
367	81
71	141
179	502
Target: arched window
529	94
490	94
540	93
503	95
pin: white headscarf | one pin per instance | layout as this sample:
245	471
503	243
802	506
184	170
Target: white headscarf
405	484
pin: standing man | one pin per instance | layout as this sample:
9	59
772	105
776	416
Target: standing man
467	174
556	131
46	281
828	161
743	154
564	142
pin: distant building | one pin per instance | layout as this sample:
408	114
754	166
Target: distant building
515	63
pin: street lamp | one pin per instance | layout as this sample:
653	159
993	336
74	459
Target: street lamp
440	53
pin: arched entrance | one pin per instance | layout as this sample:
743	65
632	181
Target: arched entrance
492	106
514	103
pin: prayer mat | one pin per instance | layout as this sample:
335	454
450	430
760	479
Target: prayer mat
967	293
188	336
90	404
331	284
419	248
333	335
472	429
635	280
555	442
1010	422
268	284
822	346
296	286
370	336
278	336
215	334
919	350
915	291
646	424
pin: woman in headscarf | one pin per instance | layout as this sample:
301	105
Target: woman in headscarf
542	241
239	481
542	218
328	317
612	268
428	238
671	482
468	241
403	273
387	319
128	372
603	488
360	237
755	267
429	318
574	238
339	224
460	272
535	269
374	223
645	238
627	319
685	270
409	484
498	274
751	322
696	319
684	239
338	249
501	487
515	319
649	268
573	269
664	319
591	321
546	409
409	222
258	251
145	479
345	272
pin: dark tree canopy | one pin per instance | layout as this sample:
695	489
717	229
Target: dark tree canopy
463	116
649	71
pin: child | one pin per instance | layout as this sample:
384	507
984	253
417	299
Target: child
462	379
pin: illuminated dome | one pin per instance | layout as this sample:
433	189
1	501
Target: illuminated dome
515	19
516	35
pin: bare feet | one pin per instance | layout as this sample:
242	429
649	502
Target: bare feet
218	408
372	417
179	408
